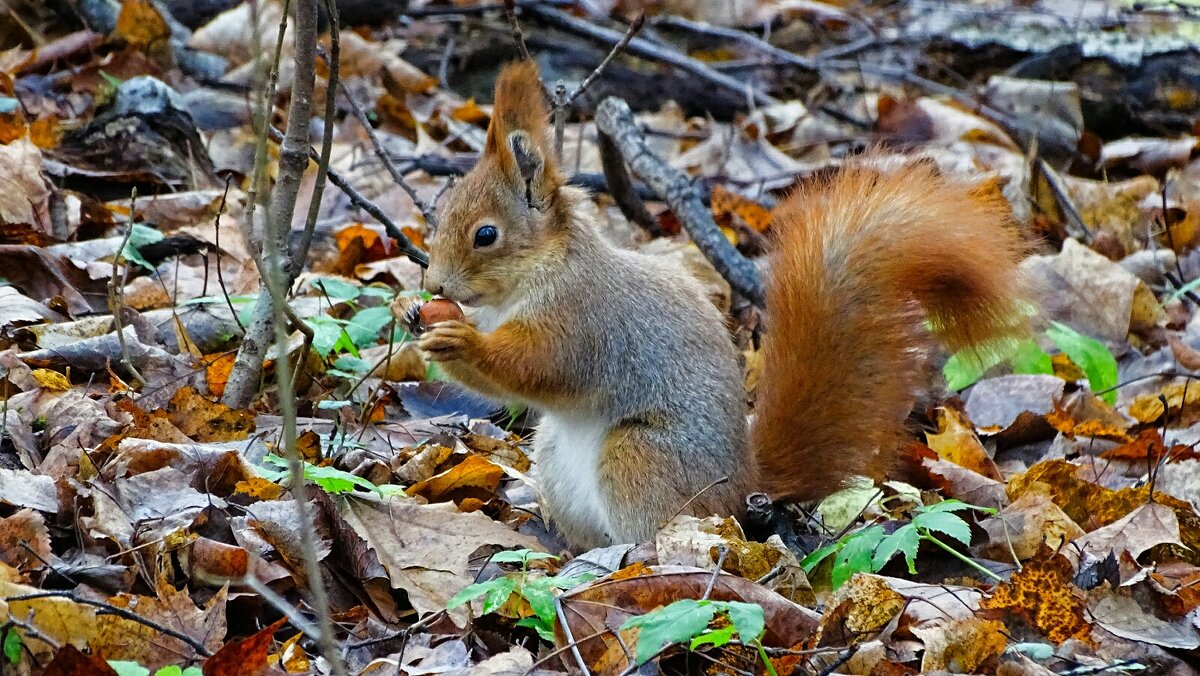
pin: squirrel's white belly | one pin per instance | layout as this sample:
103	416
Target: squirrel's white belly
567	451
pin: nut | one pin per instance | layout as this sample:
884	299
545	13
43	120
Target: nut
440	310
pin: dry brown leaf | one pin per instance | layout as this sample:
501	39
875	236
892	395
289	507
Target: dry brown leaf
957	442
205	420
68	661
59	619
122	639
426	549
609	601
1148	525
22	488
862	606
25	542
475	477
1118	612
1025	525
1042	594
247	657
961	646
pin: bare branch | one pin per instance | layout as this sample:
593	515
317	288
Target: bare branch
116	290
617	49
510	7
615	120
645	49
426	209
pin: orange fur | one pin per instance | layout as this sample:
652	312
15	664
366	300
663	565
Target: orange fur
862	258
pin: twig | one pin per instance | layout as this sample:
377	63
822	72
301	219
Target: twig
558	651
620	186
270	312
217	249
1075	225
276	601
357	199
562	621
29	630
426	209
510	13
722	552
559	103
410	629
116	290
109	609
297	257
645	49
633	29
614	119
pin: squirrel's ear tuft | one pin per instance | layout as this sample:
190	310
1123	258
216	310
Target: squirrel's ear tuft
518	133
528	156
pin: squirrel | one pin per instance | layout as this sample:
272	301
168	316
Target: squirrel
632	368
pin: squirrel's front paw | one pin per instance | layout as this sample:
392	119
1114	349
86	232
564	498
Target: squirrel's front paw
447	341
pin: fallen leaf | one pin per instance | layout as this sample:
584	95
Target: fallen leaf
1041	593
247	657
426	549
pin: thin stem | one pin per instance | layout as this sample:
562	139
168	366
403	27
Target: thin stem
961	557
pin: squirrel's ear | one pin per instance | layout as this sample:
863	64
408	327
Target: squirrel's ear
529	159
517	135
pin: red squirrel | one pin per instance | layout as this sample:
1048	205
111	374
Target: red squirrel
632	368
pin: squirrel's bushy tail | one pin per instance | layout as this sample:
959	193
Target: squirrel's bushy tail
865	261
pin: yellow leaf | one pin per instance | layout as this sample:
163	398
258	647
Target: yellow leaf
51	380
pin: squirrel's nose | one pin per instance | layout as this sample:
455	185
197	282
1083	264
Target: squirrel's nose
433	286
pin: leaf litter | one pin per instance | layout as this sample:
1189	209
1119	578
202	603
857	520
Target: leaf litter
146	527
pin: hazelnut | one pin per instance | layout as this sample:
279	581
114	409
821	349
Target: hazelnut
440	310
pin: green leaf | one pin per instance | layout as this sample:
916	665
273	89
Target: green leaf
1090	355
540	599
12	646
951	505
8	104
1183	291
193	671
545	631
746	617
478	589
375	291
327	333
169	670
498	595
127	668
944	522
330	479
905	539
855	555
520	556
814	558
674	623
716	638
1031	360
559	582
365	326
351	364
140	236
338	290
333	404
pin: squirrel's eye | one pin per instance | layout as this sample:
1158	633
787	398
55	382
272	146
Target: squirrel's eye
486	236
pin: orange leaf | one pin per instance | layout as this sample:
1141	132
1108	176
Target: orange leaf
247	657
142	26
726	204
1042	594
474	477
218	370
